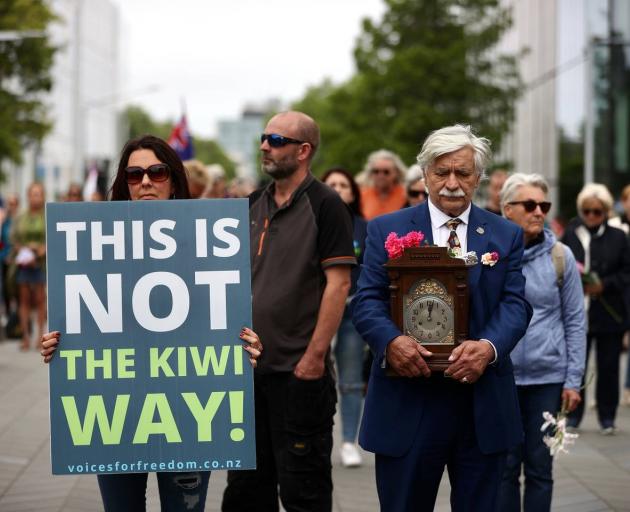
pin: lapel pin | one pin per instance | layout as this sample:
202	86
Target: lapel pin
480	230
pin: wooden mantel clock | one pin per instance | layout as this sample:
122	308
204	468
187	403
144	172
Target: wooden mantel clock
429	300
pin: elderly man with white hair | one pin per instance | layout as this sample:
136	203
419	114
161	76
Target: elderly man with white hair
467	417
604	253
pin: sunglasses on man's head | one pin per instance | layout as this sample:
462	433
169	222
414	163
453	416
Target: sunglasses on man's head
278	141
530	205
592	211
155	172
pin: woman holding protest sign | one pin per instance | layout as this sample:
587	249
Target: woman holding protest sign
149	169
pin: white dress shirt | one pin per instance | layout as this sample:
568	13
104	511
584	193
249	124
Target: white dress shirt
441	233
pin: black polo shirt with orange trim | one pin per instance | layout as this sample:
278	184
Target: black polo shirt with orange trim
291	246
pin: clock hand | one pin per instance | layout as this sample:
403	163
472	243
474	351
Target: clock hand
430	307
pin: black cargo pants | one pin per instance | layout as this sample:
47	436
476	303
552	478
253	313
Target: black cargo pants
294	420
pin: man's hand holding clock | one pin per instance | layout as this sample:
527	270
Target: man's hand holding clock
469	360
407	357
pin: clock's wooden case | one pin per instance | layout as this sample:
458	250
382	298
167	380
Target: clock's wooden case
434	264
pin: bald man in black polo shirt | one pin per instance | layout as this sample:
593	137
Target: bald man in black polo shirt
302	253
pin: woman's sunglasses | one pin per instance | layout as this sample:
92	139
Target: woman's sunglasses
156	172
530	205
592	211
278	141
385	172
416	193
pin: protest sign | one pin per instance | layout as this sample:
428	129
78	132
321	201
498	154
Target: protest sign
150	373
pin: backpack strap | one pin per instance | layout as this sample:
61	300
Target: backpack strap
557	257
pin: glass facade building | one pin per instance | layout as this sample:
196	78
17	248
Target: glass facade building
608	118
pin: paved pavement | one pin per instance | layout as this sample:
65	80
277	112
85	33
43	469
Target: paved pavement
594	477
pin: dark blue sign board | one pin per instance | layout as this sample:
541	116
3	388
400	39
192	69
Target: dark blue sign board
150	373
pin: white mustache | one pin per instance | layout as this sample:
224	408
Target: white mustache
452	193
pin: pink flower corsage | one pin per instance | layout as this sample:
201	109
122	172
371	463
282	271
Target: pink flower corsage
490	258
395	245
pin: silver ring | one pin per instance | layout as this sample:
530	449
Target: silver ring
465	380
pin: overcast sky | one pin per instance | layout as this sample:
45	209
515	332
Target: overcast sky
220	55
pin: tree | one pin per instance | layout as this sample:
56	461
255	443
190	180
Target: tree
25	64
426	64
140	122
571	174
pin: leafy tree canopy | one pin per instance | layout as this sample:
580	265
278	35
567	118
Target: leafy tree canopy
426	64
25	64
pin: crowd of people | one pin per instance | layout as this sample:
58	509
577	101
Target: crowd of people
321	310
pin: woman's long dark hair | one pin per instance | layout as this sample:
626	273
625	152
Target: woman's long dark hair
355	205
164	153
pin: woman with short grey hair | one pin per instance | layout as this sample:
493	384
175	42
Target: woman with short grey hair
415	186
549	360
604	253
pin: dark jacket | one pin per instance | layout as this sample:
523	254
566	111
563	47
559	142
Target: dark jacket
610	259
359	233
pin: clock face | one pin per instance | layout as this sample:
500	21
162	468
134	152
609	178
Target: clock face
429	319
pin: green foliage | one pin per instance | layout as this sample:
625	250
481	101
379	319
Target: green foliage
208	151
24	74
139	122
571	175
426	64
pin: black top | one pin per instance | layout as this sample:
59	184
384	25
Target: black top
291	246
610	259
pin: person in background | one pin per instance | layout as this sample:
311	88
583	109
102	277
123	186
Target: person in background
623	222
384	172
97	196
198	178
496	181
603	252
241	187
28	238
74	194
217	188
149	169
9	295
415	186
549	360
350	347
3	217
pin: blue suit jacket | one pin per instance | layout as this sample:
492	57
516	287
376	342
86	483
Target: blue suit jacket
498	312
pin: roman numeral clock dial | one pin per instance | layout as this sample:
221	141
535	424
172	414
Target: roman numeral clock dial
428	314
